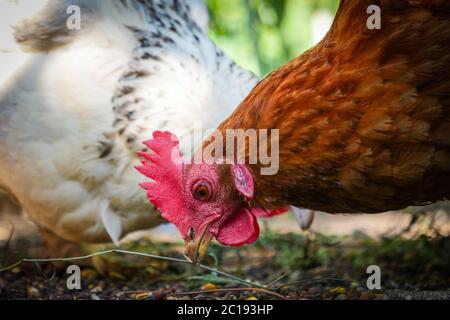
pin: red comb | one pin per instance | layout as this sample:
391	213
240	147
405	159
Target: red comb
164	166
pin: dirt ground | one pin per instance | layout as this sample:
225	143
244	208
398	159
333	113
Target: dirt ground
283	264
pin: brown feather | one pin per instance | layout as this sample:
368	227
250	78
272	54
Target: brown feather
364	117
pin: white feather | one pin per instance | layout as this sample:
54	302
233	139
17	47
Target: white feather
61	157
111	222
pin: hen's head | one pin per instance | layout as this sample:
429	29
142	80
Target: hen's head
204	201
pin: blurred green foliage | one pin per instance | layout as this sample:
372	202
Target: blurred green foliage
261	35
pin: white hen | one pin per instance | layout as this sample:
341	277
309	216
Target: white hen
72	119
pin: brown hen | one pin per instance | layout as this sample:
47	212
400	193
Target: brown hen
364	117
364	126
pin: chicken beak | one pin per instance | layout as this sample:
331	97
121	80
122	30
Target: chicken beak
197	248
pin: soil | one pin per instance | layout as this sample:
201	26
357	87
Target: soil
311	266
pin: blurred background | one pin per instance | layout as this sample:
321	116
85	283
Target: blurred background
261	35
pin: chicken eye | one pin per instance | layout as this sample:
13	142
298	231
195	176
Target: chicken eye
202	191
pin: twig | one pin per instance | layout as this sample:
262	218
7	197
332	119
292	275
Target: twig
46	277
272	283
147	255
12	266
314	280
230	276
261	290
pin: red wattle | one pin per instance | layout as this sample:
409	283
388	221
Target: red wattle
240	229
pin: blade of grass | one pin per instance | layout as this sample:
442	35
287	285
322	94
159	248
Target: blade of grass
147	255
